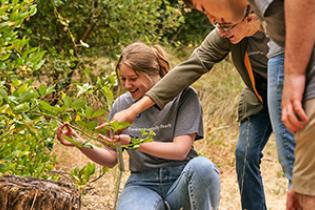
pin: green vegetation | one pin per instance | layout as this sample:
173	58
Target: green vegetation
56	66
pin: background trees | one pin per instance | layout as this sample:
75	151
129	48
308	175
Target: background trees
51	71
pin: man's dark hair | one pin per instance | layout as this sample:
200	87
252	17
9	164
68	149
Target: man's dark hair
189	3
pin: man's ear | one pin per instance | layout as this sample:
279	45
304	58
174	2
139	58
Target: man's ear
251	17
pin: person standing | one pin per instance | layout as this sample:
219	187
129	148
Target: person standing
298	99
292	77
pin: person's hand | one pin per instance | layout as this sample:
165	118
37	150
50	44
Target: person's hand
130	114
293	115
122	139
292	202
63	130
127	115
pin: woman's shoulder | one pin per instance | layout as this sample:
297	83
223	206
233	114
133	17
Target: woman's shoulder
189	91
123	101
189	95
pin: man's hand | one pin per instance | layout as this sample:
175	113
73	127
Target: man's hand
127	115
293	115
297	57
130	114
292	202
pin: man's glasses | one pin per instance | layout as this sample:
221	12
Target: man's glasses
229	26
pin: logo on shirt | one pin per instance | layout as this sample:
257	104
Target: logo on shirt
156	129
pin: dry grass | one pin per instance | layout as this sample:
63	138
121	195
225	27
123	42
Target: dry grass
219	91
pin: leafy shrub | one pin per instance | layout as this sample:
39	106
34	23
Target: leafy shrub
101	26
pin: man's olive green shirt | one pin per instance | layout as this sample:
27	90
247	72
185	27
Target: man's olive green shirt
213	50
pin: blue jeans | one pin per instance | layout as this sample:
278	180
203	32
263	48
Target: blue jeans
284	139
254	134
195	185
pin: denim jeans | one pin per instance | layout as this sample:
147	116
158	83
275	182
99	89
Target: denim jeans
195	186
284	139
254	134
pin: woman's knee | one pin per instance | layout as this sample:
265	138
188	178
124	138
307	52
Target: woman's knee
203	167
135	198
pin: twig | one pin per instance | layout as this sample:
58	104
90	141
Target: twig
35	196
121	168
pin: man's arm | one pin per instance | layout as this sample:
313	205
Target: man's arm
300	36
211	51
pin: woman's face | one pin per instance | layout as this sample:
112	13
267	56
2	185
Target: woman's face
137	83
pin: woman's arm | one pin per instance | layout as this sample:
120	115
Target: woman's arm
176	150
103	156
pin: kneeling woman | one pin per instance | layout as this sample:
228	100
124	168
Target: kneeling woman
165	173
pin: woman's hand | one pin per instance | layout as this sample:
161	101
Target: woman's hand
63	130
122	139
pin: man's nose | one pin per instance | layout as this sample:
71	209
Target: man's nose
222	32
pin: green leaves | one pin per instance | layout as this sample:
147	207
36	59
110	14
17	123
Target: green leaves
102	27
114	126
18	58
84	89
24	107
146	136
28	122
43	90
81	176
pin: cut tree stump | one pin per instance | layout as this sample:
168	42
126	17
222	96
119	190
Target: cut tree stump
18	193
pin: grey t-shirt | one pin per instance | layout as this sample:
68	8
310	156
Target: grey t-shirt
181	116
272	13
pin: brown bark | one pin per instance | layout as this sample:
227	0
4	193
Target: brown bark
18	193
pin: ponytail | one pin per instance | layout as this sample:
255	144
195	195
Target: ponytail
161	59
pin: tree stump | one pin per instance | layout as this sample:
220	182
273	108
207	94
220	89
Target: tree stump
18	193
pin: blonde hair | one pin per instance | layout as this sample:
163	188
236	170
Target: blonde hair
143	58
